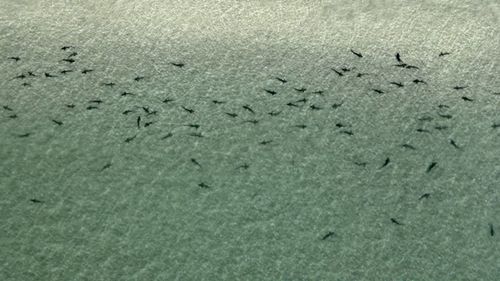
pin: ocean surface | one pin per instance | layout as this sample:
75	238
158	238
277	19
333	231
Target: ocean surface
249	140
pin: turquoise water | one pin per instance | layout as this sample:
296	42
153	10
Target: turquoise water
242	209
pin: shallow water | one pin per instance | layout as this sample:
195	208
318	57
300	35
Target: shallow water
145	217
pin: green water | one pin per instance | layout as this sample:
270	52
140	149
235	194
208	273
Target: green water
145	217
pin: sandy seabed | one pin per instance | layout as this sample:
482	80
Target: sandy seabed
156	153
